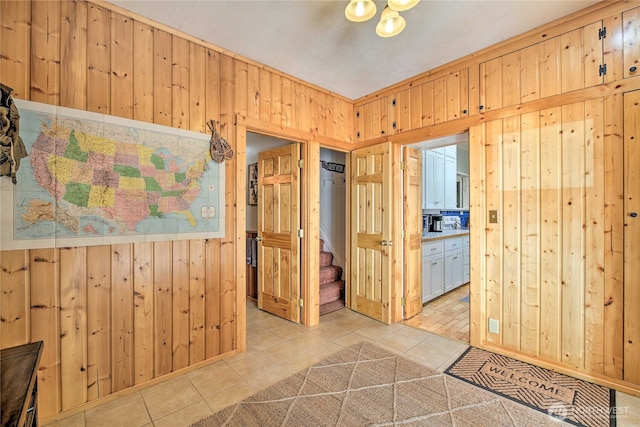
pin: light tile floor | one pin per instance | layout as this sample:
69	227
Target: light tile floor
276	349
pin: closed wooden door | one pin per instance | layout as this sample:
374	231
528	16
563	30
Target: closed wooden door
412	224
631	237
371	232
278	225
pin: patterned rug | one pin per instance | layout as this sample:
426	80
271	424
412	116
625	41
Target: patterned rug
364	385
570	399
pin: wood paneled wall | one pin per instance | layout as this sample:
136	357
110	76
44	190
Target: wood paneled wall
117	316
551	268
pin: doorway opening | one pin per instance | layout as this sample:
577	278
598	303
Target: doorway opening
255	144
333	233
445	238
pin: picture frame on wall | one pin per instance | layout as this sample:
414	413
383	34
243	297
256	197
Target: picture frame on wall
253	185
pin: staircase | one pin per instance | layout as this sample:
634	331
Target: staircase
331	285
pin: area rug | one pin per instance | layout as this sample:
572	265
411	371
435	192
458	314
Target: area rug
364	385
570	399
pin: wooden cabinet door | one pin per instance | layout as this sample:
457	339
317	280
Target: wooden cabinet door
371	231
412	224
631	237
631	42
372	120
562	64
278	224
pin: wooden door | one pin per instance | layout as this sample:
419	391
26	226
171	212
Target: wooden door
412	224
371	231
278	225
631	237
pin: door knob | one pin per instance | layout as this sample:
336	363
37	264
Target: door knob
258	239
633	214
384	243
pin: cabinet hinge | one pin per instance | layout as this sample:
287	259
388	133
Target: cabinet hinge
301	302
403	166
300	163
393	125
300	233
357	114
402	234
393	102
602	33
602	70
403	301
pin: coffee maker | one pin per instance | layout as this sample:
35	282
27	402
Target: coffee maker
435	223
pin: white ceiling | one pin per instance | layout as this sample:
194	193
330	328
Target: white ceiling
313	41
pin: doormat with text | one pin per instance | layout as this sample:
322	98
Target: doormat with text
570	399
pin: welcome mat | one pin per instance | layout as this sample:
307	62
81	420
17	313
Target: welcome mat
573	400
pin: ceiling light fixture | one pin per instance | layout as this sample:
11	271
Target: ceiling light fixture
402	5
391	23
360	10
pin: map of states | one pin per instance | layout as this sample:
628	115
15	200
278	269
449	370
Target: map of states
91	177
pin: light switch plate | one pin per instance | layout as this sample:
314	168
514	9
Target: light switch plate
493	217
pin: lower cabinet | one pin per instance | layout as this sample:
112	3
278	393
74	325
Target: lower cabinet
453	273
445	266
432	270
465	260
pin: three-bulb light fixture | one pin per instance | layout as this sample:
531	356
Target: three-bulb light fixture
391	23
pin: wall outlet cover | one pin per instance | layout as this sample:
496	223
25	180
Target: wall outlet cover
494	326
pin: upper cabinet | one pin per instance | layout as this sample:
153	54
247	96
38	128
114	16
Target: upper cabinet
371	119
631	42
562	64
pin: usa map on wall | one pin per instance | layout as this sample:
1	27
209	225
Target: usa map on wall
93	179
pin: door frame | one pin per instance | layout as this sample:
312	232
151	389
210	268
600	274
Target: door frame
309	209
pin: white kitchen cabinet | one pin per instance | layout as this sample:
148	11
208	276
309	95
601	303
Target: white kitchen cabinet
466	271
439	171
453	263
433	180
432	270
450	183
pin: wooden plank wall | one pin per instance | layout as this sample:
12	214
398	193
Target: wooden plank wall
117	316
550	280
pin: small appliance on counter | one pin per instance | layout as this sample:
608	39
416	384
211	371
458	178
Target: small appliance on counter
435	223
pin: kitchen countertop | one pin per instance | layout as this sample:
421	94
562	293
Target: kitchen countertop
444	234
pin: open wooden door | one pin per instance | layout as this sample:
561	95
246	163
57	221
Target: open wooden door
412	224
278	225
371	231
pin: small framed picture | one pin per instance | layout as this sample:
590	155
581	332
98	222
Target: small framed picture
253	184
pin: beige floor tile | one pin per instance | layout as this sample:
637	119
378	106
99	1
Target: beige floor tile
629	410
263	340
350	339
398	343
416	334
128	410
169	396
251	364
429	354
186	416
376	332
76	420
229	396
210	379
331	331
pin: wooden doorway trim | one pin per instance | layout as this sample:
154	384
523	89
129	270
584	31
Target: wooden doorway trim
310	215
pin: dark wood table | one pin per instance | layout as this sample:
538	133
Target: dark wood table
19	385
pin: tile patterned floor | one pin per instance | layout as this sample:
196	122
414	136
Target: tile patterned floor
446	315
276	349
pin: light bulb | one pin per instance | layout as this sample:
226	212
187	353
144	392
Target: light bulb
388	25
360	9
